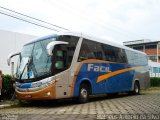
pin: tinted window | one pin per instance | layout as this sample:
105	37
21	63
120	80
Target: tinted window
99	51
90	50
110	53
114	54
94	50
87	50
122	58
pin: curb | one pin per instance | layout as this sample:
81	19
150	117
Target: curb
5	105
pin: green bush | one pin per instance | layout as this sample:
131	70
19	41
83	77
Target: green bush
155	81
7	86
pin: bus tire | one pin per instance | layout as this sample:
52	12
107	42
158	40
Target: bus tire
83	93
136	90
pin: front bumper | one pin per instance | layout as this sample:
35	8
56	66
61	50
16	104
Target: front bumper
47	93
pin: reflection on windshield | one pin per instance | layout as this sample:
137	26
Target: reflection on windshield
23	68
23	61
34	60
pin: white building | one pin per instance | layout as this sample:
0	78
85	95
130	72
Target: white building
11	42
154	69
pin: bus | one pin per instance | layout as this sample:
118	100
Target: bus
72	65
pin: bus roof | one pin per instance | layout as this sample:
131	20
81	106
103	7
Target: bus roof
86	37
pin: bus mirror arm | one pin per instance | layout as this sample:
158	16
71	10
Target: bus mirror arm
10	56
51	45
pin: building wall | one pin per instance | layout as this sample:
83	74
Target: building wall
153	52
11	42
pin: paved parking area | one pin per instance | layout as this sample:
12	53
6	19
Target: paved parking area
146	103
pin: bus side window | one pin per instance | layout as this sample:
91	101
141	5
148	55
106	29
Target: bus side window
83	52
109	53
122	58
86	51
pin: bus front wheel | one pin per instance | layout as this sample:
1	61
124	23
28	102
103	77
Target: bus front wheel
83	93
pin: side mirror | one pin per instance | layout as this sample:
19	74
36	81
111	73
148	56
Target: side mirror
10	56
51	45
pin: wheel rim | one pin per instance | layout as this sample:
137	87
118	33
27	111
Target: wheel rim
136	88
84	93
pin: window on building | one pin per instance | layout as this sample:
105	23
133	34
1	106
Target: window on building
138	47
152	57
155	70
150	46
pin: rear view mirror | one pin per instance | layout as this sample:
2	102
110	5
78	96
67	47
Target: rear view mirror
51	45
10	56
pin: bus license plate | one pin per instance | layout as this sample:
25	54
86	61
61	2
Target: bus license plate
27	96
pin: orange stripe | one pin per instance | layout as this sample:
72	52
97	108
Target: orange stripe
108	75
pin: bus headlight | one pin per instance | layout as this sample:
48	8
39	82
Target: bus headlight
50	82
42	84
36	84
48	93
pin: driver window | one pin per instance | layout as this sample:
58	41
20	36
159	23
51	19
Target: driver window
59	64
60	57
63	54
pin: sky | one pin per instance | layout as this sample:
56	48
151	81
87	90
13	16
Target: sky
113	20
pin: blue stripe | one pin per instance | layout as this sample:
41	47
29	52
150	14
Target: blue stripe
117	83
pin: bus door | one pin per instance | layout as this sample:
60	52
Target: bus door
61	70
62	84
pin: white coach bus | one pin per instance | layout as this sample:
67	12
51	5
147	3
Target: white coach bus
74	65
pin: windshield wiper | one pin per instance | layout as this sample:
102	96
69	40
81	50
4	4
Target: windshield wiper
26	65
31	67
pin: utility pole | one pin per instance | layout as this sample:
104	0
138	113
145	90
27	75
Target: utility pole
157	52
12	68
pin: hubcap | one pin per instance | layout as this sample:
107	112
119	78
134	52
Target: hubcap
84	93
136	89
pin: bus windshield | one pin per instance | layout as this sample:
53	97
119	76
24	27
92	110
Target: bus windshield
34	61
35	64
